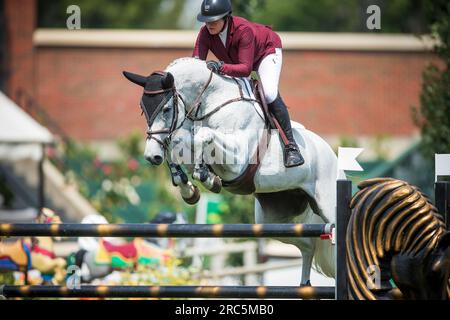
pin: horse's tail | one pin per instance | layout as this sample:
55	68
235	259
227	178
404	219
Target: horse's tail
389	218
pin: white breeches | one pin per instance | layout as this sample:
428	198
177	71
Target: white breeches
269	71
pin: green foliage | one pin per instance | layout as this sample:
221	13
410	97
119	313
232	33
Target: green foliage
140	14
284	15
125	190
130	190
346	141
342	16
380	148
433	116
7	278
238	209
171	273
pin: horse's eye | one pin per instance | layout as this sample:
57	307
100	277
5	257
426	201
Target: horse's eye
166	110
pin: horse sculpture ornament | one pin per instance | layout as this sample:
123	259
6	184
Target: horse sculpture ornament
37	253
188	105
395	228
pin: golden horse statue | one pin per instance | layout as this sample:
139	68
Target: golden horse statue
397	244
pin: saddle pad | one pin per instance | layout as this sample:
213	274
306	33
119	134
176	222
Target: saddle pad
248	93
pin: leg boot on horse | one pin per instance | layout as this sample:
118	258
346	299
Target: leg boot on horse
292	155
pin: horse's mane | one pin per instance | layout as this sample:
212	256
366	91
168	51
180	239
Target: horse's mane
182	60
389	217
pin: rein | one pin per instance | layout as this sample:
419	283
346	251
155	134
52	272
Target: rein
243	184
150	118
196	105
191	111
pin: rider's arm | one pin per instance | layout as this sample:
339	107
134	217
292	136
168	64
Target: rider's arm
246	56
202	44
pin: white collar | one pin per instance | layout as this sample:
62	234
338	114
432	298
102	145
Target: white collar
225	28
223	34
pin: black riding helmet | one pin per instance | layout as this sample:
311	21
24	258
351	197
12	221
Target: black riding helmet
213	10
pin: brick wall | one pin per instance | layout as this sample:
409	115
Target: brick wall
354	93
331	92
20	21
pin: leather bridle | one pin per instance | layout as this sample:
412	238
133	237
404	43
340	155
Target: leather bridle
191	112
171	93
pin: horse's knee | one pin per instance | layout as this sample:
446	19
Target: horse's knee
203	135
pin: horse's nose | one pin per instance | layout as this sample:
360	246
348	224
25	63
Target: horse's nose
157	160
154	160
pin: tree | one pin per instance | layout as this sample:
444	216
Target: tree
433	117
124	14
283	15
339	16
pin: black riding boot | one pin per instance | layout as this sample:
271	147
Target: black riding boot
292	155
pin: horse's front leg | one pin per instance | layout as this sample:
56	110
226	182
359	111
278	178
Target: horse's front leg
204	139
188	191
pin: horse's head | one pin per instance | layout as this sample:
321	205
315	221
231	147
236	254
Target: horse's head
404	237
159	103
424	277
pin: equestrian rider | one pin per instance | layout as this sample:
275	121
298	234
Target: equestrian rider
243	46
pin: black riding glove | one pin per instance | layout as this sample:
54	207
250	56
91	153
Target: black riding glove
214	66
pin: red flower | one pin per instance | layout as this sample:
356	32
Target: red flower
97	163
51	152
107	169
133	164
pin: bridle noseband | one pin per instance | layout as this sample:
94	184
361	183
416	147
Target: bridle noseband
191	112
173	94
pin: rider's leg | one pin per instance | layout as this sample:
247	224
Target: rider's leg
269	72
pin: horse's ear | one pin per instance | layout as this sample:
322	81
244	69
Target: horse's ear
167	81
135	78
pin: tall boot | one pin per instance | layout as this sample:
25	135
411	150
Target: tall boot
292	155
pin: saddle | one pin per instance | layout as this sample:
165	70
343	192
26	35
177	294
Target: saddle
258	92
270	119
244	184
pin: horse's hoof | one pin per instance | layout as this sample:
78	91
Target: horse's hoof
201	174
217	185
307	284
195	197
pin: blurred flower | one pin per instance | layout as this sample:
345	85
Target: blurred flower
135	180
51	152
132	195
107	185
133	164
97	162
107	169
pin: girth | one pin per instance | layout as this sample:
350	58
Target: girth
244	184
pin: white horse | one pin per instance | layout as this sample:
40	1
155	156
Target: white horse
212	126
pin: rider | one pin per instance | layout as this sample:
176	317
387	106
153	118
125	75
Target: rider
243	46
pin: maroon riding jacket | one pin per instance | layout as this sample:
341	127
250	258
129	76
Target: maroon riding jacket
247	45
